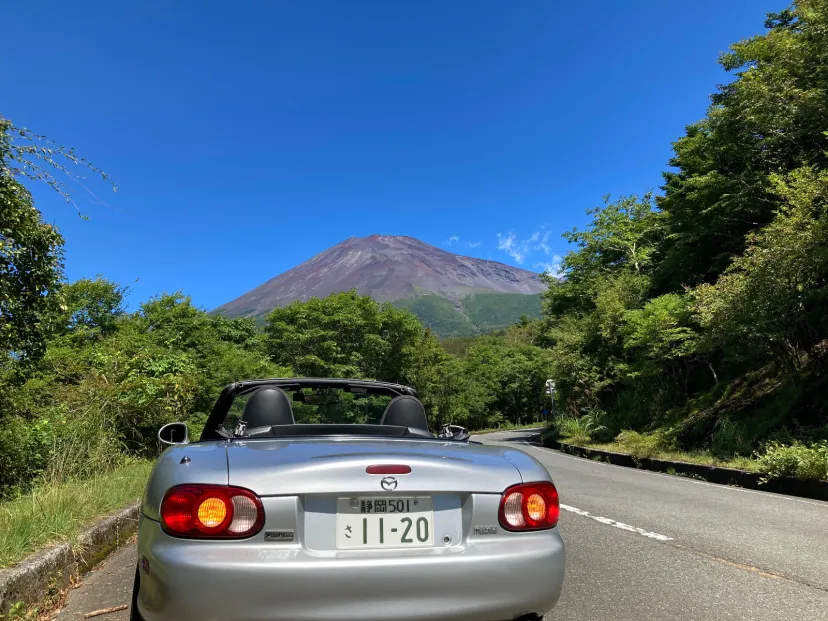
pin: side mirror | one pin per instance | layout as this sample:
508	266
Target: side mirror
174	433
454	432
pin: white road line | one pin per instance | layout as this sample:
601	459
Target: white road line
621	525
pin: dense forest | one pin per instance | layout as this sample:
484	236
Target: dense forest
476	313
691	319
699	316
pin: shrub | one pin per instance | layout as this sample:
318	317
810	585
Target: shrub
578	430
729	438
645	444
24	452
795	460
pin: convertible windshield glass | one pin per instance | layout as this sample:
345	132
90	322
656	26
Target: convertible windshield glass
322	406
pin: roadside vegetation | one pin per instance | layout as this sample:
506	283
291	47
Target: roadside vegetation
52	513
696	320
508	427
690	322
774	458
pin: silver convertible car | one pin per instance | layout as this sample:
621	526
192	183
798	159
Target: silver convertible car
356	512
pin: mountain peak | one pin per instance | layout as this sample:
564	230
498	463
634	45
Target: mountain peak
388	268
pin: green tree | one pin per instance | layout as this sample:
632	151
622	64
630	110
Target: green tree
772	302
509	383
769	119
343	335
607	275
31	252
623	236
31	270
440	382
92	308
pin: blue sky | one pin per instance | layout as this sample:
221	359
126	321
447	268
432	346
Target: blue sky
246	137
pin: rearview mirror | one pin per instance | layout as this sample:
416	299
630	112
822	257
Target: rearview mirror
174	433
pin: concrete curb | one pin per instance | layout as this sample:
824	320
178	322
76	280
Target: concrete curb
46	572
817	490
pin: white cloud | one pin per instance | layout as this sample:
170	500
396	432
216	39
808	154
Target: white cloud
474	244
520	249
508	243
544	243
453	240
553	268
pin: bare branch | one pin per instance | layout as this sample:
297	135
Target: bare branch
37	158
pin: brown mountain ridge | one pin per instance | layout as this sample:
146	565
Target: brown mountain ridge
387	268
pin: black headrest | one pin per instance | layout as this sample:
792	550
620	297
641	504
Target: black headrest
405	411
267	407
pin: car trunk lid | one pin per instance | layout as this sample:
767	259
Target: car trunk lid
294	466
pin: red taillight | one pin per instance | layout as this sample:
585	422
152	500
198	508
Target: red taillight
388	469
211	512
530	506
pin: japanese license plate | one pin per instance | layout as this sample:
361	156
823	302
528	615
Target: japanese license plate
384	522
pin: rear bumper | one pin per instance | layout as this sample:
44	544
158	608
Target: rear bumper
225	581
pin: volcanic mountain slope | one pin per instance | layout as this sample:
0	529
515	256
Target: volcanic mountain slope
390	268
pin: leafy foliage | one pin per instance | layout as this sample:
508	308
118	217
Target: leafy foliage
669	304
768	120
31	255
772	301
796	460
108	379
578	430
31	267
343	335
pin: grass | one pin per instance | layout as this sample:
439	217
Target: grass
774	459
704	458
507	427
587	432
54	513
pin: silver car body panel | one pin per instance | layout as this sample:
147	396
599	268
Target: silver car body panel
475	569
312	466
202	463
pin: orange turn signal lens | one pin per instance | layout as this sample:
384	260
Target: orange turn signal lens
211	512
529	506
536	507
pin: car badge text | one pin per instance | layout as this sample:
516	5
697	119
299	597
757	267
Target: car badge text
389	484
485	530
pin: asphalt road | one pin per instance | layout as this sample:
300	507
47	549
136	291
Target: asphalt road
641	546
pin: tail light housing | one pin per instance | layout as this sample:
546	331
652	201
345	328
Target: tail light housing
529	506
211	512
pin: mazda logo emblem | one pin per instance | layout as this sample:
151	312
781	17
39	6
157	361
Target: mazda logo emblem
389	484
